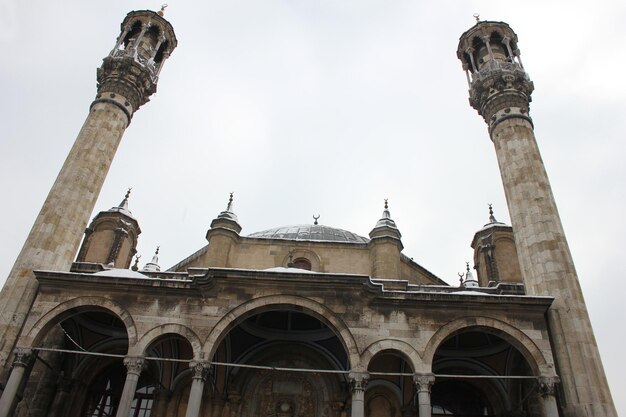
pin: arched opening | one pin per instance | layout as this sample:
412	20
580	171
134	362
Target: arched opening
284	337
302	263
492	386
164	384
77	371
389	395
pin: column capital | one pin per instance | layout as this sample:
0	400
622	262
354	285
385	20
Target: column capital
547	385
200	369
134	365
23	357
423	382
358	380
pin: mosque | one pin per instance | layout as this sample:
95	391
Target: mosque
296	321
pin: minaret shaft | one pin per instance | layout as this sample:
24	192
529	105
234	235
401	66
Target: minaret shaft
57	231
548	269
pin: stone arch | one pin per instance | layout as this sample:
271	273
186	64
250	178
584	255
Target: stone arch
403	349
63	310
518	339
139	349
306	305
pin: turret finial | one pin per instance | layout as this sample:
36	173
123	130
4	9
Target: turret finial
492	218
124	203
461	275
162	11
229	207
315	219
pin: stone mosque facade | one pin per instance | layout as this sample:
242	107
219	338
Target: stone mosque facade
299	321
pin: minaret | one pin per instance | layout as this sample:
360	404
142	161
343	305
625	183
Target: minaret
126	79
500	91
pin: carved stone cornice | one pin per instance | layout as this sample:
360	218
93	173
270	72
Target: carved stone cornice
501	91
547	385
124	76
134	365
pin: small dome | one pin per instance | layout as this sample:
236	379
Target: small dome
314	232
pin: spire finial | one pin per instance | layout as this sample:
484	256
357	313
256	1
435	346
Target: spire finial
229	207
124	203
477	17
162	11
492	218
315	219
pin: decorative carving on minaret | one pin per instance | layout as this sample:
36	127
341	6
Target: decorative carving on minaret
129	74
499	87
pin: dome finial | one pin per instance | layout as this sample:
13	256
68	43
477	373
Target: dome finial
386	203
477	17
315	219
162	11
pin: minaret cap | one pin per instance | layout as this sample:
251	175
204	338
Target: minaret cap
385	226
227	219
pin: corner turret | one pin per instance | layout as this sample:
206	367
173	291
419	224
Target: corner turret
111	238
386	247
495	255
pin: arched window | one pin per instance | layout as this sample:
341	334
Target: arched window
302	263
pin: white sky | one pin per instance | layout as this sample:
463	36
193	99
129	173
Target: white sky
328	107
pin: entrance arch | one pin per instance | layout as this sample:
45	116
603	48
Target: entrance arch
278	302
479	372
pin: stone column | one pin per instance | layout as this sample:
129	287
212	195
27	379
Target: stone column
134	366
547	390
501	93
124	84
200	371
358	382
21	362
423	383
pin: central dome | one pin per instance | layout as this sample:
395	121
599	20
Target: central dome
314	232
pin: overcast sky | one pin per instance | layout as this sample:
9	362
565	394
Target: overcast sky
328	107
